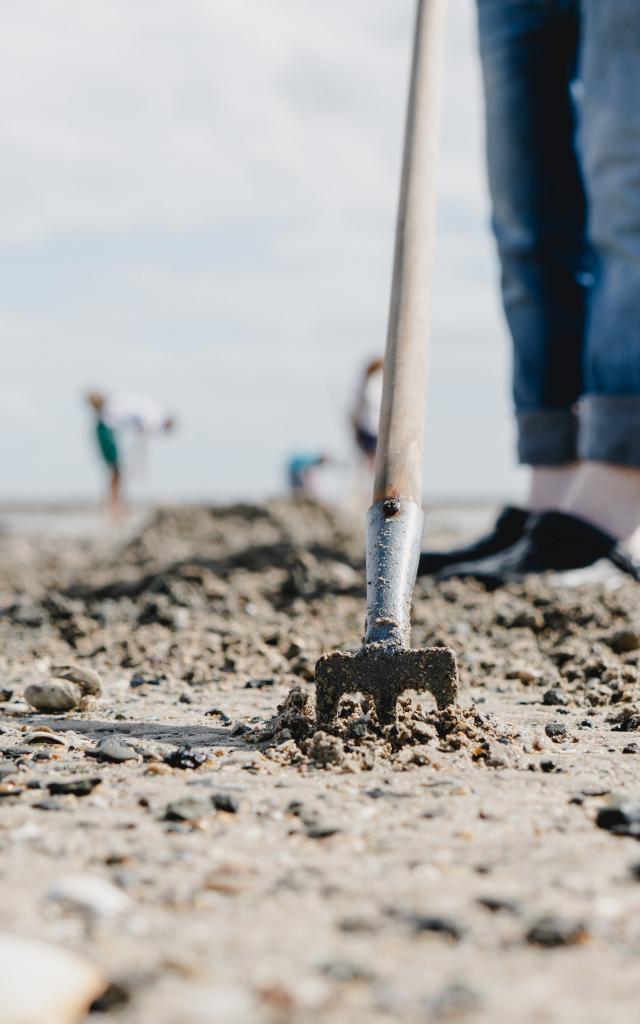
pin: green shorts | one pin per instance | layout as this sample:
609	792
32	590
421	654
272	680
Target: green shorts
108	445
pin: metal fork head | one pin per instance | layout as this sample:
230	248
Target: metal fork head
383	672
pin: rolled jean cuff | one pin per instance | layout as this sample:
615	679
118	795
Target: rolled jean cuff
547	437
610	429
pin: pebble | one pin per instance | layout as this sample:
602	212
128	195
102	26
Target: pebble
113	750
41	982
623	640
436	923
631	748
621	818
555	698
225	802
552	931
74	787
5	694
90	895
186	757
555	730
187	809
86	678
53	697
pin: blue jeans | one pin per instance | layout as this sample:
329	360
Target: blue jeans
562	87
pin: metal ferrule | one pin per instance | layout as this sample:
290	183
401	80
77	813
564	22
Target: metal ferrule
394	536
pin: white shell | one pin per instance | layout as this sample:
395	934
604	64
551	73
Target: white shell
43	983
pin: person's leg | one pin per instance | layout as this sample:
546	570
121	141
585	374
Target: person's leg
607	489
529	53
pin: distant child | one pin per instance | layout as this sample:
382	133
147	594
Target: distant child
302	472
142	415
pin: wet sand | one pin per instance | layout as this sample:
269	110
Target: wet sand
450	869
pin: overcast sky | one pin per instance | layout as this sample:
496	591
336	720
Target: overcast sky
197	200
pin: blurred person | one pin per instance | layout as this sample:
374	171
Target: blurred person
140	415
302	473
366	411
561	81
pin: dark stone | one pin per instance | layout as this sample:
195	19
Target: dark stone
622	819
225	802
139	680
631	748
114	997
240	729
218	713
74	787
549	766
555	730
495	904
555	697
186	757
258	684
321	830
623	640
5	694
551	932
436	923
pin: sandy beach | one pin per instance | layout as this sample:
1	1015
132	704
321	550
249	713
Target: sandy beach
220	862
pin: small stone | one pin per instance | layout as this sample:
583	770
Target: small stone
5	694
225	802
188	809
549	766
113	750
438	924
320	829
631	748
91	895
556	730
86	678
186	757
455	1002
218	713
634	871
623	640
186	698
621	818
240	728
555	698
552	931
74	787
53	697
46	736
496	904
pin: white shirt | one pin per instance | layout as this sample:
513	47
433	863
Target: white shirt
137	412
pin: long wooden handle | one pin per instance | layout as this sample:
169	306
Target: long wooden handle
398	466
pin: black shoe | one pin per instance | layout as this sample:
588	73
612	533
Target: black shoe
551	541
509	528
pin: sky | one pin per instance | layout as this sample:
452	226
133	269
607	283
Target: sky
197	200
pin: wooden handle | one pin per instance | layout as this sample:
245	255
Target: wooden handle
398	467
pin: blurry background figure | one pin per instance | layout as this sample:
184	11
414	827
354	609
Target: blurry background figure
302	473
366	411
141	417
